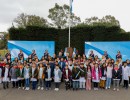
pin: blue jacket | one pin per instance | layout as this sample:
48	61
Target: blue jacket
63	65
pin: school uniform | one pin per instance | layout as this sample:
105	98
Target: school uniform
27	77
75	78
48	78
20	77
67	77
109	77
82	79
5	75
116	75
96	76
14	77
103	78
57	78
34	76
88	80
125	75
41	77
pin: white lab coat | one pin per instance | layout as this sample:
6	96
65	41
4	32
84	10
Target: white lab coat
125	72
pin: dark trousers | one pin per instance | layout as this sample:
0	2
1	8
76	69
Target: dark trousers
95	85
129	80
57	85
21	83
34	84
5	85
48	84
15	84
126	84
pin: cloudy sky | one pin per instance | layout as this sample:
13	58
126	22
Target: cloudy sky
9	9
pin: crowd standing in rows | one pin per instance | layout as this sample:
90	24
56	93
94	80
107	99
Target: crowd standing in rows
77	72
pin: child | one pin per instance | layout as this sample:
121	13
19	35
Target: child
103	78
96	76
1	74
34	76
116	77
41	76
67	77
13	75
82	78
5	76
125	74
57	77
27	76
109	75
48	77
89	77
20	76
75	77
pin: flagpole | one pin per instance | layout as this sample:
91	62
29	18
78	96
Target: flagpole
69	23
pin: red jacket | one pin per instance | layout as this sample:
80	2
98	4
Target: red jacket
64	74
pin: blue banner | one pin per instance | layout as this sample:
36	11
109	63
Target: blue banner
110	47
28	46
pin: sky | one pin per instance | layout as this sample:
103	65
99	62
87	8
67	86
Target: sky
9	9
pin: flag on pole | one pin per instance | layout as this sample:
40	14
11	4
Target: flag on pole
71	6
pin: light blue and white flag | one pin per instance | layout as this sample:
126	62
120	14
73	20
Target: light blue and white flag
71	6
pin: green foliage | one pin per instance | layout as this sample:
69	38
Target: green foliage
107	20
59	16
79	35
24	20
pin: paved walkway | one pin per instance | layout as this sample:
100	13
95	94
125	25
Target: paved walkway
15	94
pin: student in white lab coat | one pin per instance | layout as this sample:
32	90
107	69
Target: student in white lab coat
57	77
5	76
125	74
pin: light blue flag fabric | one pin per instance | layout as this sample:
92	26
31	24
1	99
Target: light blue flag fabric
71	6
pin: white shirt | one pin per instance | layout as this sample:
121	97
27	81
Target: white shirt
40	72
66	73
109	72
27	73
125	72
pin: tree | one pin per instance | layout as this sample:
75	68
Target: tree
60	16
24	20
107	20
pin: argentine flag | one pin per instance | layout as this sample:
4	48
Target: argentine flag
71	6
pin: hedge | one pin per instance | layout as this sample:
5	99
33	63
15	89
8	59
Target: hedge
78	35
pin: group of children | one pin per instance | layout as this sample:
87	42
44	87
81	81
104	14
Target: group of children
77	72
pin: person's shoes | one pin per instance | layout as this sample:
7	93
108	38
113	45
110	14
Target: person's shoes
7	86
106	88
56	89
4	87
129	85
23	88
117	89
19	87
42	88
38	88
26	89
114	89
